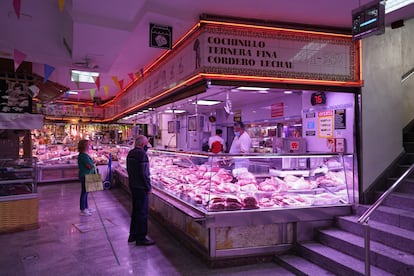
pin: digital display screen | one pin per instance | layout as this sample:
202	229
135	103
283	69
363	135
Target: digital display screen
368	20
318	98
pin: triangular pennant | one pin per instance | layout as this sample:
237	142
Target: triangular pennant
132	76
121	84
48	70
106	89
97	81
90	108
67	95
83	110
115	79
16	6
75	106
92	93
39	107
61	5
18	57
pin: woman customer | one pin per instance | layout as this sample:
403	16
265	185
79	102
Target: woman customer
86	166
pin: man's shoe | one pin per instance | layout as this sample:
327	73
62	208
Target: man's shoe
131	238
145	242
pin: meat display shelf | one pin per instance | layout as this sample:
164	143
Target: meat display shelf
245	232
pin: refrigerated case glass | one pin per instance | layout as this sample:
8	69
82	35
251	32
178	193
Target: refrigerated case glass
213	183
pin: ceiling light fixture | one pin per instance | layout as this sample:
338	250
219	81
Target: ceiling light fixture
83	76
252	88
175	111
288	92
207	102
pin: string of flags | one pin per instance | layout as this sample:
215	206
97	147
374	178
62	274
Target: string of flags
19	57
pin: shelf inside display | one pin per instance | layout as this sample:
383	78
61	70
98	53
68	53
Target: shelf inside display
212	183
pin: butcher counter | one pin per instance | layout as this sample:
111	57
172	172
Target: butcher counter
227	207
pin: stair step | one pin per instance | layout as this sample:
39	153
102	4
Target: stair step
300	266
382	256
408	159
334	260
408	146
407	186
408	136
397	199
389	235
390	215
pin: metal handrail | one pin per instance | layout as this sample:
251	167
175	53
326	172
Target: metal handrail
364	218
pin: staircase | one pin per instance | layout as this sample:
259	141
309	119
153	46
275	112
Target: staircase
339	250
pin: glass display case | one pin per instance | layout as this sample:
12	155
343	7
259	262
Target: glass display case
18	176
60	163
226	182
245	205
18	195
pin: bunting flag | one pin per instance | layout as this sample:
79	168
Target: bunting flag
83	110
121	84
48	70
16	6
75	106
106	89
39	107
115	79
61	5
18	57
92	93
97	81
67	95
132	76
90	108
64	108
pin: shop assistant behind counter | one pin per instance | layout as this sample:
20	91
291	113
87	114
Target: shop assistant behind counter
242	141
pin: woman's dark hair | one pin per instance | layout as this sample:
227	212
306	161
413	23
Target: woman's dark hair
83	145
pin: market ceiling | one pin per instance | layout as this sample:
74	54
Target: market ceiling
112	37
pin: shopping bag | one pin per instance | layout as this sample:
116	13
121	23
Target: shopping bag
93	182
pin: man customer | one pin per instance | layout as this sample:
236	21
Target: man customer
140	186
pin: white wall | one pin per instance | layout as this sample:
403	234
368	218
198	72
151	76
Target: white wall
387	104
407	40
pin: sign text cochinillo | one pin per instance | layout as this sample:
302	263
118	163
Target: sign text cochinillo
244	52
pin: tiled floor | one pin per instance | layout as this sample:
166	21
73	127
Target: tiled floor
69	244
